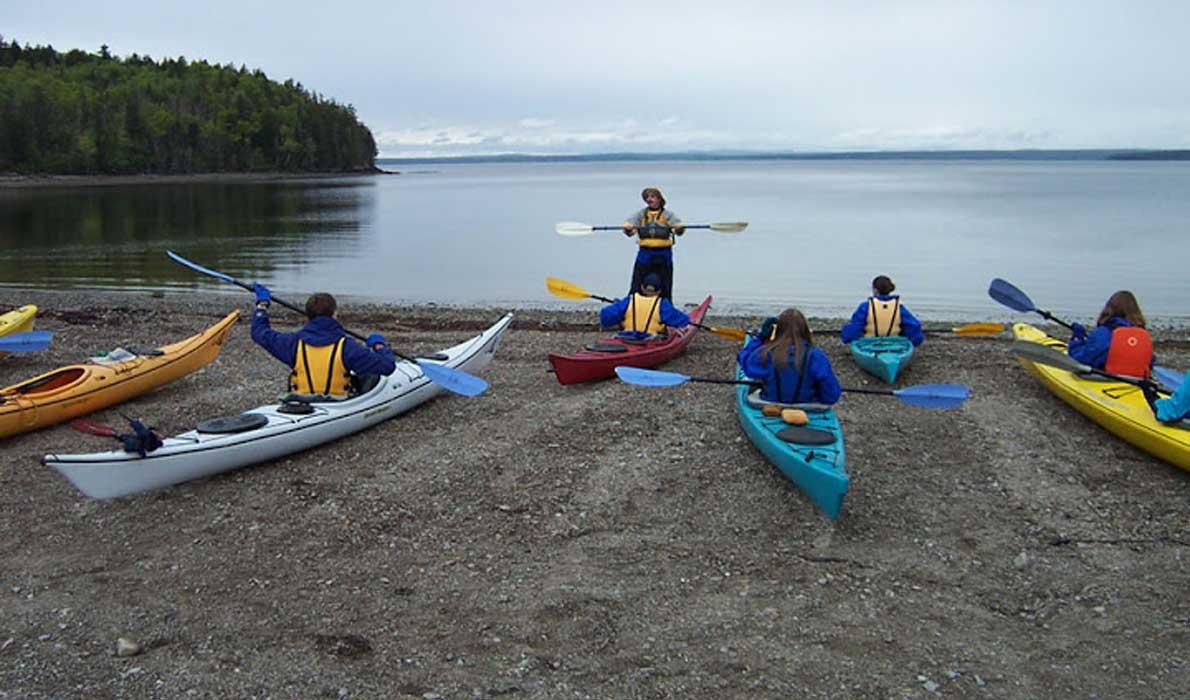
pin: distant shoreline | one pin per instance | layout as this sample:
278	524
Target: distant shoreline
1019	155
15	181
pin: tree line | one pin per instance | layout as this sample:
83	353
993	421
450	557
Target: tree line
94	113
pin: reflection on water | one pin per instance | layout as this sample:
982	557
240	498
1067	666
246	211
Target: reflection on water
1068	233
116	236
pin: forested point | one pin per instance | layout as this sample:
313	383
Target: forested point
94	113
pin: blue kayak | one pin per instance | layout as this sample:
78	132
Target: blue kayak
882	357
811	456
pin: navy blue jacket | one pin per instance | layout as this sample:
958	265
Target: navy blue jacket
819	386
320	331
1092	349
612	315
910	326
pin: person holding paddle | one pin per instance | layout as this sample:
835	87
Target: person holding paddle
643	315
882	314
783	356
321	355
655	228
1119	343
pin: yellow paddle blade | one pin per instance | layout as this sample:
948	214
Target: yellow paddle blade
979	329
737	334
729	226
564	289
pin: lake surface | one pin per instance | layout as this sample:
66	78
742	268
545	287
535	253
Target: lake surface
1069	233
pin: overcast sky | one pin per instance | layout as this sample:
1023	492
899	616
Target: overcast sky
439	77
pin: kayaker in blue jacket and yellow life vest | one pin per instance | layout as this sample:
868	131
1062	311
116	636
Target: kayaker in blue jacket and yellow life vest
321	355
643	314
783	356
655	228
882	314
1119	343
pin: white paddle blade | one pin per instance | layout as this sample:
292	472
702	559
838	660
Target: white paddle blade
573	228
730	226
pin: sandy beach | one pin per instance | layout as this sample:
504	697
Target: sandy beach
596	541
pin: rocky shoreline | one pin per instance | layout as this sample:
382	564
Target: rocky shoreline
598	541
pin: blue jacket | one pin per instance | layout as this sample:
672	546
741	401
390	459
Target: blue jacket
819	386
612	315
1092	349
1177	406
910	326
320	331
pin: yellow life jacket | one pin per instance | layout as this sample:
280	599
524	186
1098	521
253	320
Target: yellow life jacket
884	317
644	314
654	238
319	369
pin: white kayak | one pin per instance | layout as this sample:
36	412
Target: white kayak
270	431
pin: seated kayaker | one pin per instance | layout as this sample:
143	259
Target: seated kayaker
1119	343
644	314
655	228
321	355
1177	406
783	356
882	314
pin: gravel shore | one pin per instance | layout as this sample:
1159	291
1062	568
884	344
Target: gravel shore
597	541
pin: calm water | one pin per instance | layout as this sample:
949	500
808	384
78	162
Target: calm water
1068	233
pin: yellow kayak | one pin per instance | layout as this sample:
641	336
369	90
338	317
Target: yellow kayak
18	321
75	390
1119	407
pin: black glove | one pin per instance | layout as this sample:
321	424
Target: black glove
768	329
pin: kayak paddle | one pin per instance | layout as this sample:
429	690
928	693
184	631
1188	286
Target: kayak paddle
450	378
569	290
574	228
1170	378
977	329
26	342
1008	295
921	395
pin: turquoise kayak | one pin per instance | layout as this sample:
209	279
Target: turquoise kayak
811	456
882	357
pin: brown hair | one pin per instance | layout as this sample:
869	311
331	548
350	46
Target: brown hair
883	285
654	190
1123	304
320	304
791	327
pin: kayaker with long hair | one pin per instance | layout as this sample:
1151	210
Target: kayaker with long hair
882	314
644	313
783	356
1120	342
321	355
655	228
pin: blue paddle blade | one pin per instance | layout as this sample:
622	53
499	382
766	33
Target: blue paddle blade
199	268
650	377
26	342
1010	296
455	380
1170	378
934	395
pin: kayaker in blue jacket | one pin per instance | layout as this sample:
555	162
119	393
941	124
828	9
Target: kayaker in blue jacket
655	228
321	355
643	314
1119	343
783	356
882	314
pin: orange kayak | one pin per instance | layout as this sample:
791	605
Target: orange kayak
76	390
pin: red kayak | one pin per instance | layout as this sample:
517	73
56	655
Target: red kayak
600	360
